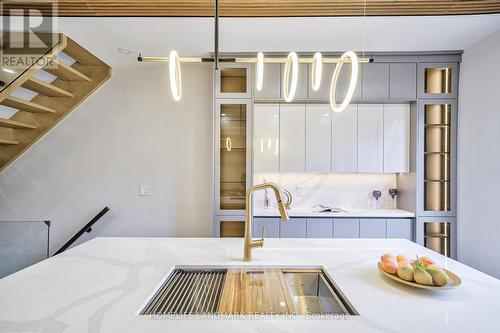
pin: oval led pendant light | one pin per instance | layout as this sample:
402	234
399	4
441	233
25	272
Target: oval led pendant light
175	75
352	84
316	70
289	88
260	70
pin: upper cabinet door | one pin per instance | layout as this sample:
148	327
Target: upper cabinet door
270	83
375	81
396	138
343	83
292	137
403	81
438	80
233	81
318	138
323	93
266	129
345	140
302	80
371	138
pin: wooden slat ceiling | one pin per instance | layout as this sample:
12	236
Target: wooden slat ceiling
260	8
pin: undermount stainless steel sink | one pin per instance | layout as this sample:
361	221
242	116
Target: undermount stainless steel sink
247	290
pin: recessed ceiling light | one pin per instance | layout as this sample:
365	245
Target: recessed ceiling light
123	51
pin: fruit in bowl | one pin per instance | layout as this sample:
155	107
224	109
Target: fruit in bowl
422	271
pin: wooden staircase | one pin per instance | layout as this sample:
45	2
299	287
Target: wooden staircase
54	101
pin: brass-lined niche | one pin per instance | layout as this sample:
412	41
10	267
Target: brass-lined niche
437	148
437	237
437	80
233	80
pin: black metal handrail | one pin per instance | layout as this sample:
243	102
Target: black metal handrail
86	228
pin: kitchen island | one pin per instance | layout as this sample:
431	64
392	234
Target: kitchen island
100	285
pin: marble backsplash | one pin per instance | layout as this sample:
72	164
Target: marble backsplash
337	190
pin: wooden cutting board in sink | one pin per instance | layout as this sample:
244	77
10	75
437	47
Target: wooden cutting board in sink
251	291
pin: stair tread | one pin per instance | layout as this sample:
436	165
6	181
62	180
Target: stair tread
24	105
67	73
45	88
4	141
15	124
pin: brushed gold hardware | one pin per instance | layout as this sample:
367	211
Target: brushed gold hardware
249	243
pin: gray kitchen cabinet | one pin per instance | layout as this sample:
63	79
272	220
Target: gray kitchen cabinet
375	81
403	81
344	80
293	228
372	228
302	82
400	228
319	228
323	93
270	83
346	228
272	226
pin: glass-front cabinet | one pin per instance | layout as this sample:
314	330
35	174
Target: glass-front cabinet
232	155
438	155
438	80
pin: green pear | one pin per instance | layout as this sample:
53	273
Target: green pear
405	272
422	277
439	276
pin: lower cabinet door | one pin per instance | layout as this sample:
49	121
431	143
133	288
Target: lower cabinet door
272	226
372	228
293	228
400	228
319	228
346	228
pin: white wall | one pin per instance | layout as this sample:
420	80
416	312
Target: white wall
479	157
129	132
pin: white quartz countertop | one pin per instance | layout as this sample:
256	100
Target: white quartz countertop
350	212
98	287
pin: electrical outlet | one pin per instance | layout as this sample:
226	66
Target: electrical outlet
144	190
298	189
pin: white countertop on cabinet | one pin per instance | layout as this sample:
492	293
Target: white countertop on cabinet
99	285
350	212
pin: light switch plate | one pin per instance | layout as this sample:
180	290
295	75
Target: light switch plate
144	190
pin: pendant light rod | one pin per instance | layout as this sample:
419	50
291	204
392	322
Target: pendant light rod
216	37
249	60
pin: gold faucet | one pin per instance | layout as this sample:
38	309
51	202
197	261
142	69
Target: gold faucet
249	243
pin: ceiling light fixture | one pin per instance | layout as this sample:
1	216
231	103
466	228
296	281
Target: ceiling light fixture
352	84
289	87
316	70
260	71
175	76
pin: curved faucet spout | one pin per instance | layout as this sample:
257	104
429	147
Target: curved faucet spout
249	243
